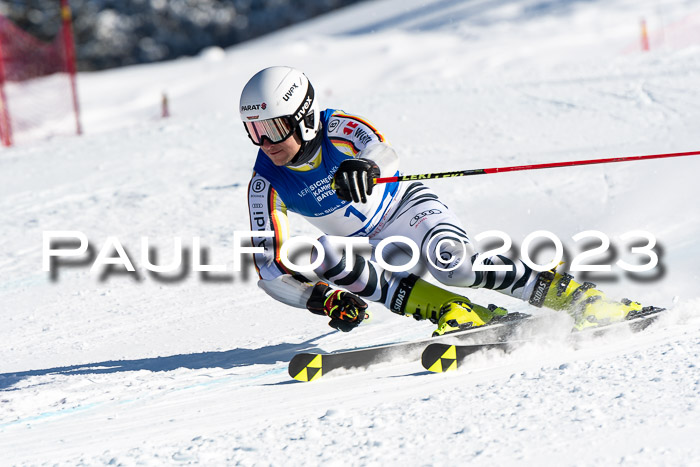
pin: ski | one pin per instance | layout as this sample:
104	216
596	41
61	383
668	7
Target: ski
310	366
440	357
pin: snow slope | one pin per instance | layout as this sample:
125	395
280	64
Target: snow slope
184	368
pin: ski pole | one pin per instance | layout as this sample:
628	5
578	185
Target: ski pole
515	168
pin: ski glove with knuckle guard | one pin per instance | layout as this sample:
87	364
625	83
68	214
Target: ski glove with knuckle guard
346	310
354	179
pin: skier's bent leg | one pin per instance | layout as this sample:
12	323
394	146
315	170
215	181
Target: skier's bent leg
451	259
403	293
445	247
584	302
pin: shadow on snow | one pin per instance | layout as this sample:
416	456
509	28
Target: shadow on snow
227	359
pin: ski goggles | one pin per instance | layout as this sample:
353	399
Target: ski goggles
275	129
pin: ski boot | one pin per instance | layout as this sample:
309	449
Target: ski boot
587	305
461	314
451	312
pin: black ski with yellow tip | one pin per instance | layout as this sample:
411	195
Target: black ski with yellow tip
441	357
312	366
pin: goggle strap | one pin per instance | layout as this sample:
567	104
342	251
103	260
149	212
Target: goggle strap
305	105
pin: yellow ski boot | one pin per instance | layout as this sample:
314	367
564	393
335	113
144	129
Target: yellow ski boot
587	305
460	315
451	312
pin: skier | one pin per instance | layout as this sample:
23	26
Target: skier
321	165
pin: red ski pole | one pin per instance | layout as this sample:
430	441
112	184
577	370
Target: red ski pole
464	173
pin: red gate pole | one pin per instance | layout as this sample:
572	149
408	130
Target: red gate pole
69	45
645	36
5	124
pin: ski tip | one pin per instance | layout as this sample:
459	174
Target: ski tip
306	367
439	358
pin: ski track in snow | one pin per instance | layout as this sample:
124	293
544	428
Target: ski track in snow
125	369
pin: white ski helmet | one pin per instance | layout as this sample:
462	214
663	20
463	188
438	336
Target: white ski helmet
275	102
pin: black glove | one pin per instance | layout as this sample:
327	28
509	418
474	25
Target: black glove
345	309
354	179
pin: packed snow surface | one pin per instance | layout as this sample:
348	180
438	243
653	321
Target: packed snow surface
142	368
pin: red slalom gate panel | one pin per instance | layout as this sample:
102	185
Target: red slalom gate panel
38	92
